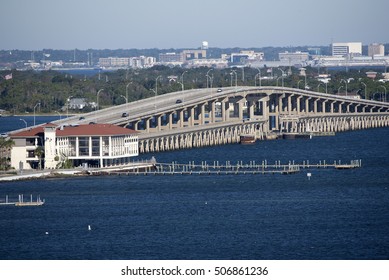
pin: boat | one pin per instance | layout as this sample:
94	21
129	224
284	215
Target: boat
247	139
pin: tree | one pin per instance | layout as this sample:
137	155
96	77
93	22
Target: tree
5	149
39	151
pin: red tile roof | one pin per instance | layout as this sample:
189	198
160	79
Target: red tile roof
77	130
94	130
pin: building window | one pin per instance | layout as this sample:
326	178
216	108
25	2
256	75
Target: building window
105	144
95	146
83	146
72	147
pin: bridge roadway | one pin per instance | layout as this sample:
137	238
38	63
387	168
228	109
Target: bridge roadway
201	117
162	104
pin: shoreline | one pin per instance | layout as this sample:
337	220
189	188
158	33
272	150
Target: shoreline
77	172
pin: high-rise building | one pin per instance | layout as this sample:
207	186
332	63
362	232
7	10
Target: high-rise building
343	49
376	49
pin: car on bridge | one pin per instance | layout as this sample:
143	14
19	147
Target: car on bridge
178	101
124	115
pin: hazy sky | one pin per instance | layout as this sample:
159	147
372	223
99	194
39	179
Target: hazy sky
115	24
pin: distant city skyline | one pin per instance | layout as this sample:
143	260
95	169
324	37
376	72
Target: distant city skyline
146	24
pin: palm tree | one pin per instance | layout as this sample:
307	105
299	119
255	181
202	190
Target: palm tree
5	149
39	151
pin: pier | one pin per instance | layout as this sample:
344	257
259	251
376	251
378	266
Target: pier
22	202
239	168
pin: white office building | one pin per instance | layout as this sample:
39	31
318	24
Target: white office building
344	49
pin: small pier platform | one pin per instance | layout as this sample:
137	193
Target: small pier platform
22	202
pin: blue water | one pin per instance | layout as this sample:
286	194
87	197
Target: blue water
10	123
337	214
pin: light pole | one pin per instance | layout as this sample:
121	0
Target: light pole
236	79
385	93
259	77
298	84
182	86
182	80
282	80
37	104
155	98
97	99
124	98
277	81
339	89
67	106
208	77
156	85
24	122
365	88
127	91
58	114
345	83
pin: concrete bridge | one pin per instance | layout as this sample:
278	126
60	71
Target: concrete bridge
205	117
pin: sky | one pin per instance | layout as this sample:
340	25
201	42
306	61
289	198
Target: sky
164	24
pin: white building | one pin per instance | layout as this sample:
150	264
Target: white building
115	62
344	49
294	58
142	62
95	144
245	56
376	49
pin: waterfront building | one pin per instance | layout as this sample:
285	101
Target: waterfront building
345	49
93	144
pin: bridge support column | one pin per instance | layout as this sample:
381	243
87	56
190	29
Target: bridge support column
212	111
298	101
250	108
290	104
307	105
147	121
191	116
240	110
180	122
159	123
170	116
202	114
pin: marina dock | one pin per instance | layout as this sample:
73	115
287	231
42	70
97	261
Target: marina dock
239	168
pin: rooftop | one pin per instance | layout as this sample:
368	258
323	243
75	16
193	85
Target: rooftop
77	130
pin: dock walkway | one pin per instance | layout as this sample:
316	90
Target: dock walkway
240	168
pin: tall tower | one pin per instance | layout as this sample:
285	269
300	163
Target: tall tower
50	153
